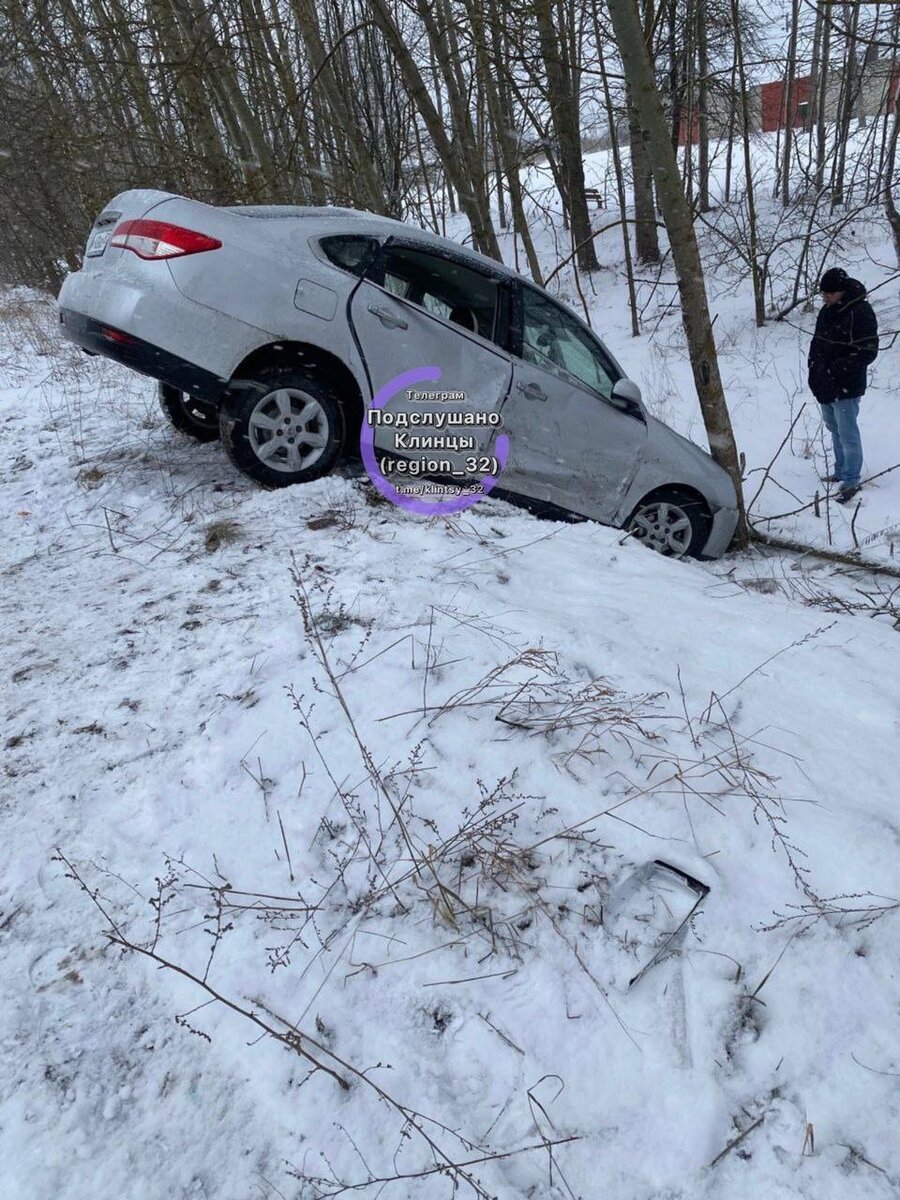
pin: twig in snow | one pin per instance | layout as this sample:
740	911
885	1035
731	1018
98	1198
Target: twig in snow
874	1070
503	1037
737	1141
804	507
809	1141
116	937
286	848
774	457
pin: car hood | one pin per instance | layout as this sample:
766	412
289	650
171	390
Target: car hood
688	464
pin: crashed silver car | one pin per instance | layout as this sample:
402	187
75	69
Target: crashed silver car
275	327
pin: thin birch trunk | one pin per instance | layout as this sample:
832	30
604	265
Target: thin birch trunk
501	121
455	164
685	251
849	90
620	179
702	107
789	105
821	135
759	302
563	103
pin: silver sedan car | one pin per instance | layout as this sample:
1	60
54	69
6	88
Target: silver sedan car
275	328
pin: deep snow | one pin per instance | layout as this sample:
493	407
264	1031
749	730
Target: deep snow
703	714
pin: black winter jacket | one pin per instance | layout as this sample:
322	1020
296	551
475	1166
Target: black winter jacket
844	344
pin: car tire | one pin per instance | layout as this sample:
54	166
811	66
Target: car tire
196	418
283	426
675	523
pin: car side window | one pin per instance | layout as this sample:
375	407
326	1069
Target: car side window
554	340
351	252
444	287
396	285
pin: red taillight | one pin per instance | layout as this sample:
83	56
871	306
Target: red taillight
159	239
116	335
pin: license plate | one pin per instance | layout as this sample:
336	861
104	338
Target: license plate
97	243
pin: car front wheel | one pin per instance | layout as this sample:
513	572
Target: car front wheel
282	427
196	418
673	523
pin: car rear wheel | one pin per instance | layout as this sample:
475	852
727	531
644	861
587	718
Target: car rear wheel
674	523
282	427
196	418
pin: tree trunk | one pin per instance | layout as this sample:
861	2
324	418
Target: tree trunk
620	179
686	121
789	105
363	183
646	237
759	300
890	200
702	108
240	121
822	82
849	88
685	251
454	163
469	148
815	68
563	103
307	180
674	76
501	117
194	106
732	125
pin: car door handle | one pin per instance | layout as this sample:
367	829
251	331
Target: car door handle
387	318
533	391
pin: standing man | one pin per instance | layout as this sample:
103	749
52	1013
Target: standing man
844	344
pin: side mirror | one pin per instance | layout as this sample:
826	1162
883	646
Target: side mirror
626	396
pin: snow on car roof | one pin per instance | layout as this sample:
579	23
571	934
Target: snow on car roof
274	211
366	221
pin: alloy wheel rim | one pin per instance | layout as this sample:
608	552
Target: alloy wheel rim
664	527
288	430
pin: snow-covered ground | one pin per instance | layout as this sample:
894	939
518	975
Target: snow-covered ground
376	781
777	422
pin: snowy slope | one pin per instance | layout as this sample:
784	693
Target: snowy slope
538	709
777	422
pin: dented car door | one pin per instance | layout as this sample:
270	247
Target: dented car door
416	308
570	445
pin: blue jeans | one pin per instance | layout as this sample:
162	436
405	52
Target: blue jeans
840	417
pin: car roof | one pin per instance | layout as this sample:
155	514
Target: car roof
323	220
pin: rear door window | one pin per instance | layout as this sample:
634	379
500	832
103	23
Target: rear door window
444	287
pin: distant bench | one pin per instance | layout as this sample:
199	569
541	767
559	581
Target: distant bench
594	194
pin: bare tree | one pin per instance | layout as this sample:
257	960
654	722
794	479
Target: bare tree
756	274
890	181
703	94
850	84
682	238
563	102
790	71
620	181
457	154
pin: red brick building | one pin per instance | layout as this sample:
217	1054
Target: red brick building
772	100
